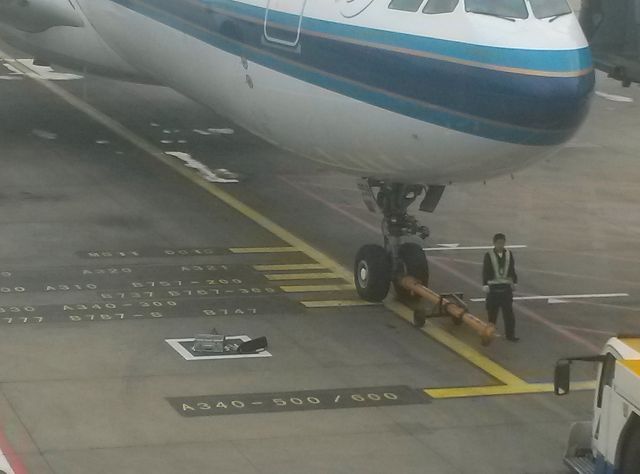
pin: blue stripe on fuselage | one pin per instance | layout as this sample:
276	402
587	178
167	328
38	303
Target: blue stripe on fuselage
543	60
485	102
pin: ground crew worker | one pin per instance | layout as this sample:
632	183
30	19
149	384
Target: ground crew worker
499	280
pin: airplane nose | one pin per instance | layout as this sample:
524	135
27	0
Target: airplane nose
552	106
542	100
551	99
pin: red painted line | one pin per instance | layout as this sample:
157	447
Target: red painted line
13	458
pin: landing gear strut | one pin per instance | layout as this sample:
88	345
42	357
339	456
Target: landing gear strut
376	267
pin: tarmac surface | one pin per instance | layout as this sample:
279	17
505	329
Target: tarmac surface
112	253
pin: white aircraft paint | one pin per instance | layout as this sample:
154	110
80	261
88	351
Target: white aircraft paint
335	128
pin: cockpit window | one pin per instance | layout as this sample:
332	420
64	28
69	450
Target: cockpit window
501	8
550	8
406	5
440	6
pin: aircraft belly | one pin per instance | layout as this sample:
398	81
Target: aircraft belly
309	120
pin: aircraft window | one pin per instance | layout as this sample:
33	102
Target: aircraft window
550	8
509	9
440	6
405	5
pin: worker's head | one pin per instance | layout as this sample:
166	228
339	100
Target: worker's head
499	240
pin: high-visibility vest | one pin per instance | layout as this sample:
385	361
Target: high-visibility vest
501	275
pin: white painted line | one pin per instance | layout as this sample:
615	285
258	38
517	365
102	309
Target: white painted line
42	72
442	247
4	465
216	176
221	131
595	331
613	97
179	348
44	134
556	299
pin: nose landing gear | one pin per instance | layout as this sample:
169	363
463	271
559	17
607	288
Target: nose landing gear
376	267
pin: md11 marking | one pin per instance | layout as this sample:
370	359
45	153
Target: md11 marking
154	252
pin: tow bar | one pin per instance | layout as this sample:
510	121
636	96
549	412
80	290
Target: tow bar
447	305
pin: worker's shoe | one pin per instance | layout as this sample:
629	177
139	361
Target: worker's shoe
513	339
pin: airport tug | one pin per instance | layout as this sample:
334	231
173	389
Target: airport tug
610	443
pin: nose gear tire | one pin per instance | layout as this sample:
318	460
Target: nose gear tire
372	273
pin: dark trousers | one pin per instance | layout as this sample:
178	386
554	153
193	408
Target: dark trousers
502	300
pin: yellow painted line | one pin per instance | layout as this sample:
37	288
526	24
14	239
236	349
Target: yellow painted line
337	303
632	342
315	288
294	242
301	276
632	365
289	267
263	250
443	337
493	390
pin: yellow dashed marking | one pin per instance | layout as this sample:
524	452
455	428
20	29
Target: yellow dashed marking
289	267
263	250
337	303
314	288
301	276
